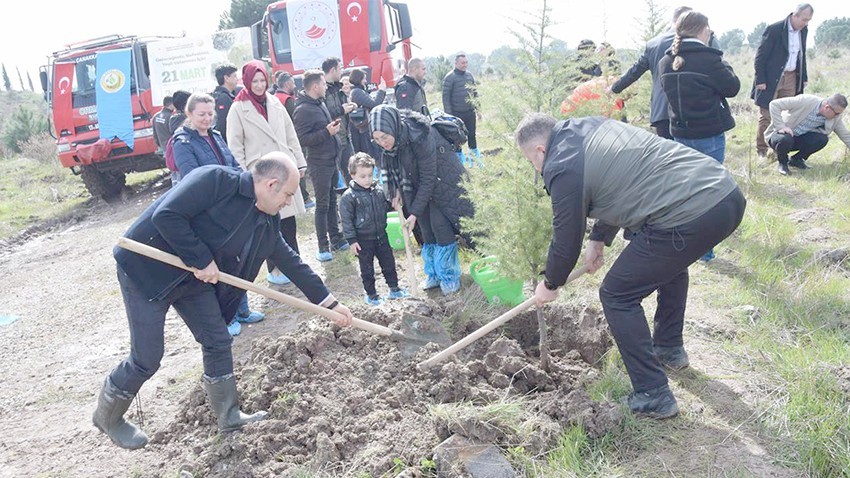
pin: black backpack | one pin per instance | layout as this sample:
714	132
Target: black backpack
451	128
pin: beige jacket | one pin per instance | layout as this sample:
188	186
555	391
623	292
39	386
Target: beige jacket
250	136
790	112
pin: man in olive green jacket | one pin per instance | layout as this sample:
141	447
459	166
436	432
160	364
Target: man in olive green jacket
674	203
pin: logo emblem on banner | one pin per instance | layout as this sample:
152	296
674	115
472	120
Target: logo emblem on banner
315	25
112	81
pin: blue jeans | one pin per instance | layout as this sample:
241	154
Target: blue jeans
714	146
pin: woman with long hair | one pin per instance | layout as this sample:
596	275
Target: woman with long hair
697	82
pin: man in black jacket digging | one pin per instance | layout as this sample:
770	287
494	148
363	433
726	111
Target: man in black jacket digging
674	203
217	219
318	132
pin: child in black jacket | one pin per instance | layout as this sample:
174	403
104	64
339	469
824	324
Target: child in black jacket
363	210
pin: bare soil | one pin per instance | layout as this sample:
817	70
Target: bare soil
341	401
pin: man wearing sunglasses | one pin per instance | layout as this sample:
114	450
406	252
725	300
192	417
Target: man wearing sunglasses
802	123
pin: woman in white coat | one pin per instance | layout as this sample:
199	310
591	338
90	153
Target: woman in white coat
258	124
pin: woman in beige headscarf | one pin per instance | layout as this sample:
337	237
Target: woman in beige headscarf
258	124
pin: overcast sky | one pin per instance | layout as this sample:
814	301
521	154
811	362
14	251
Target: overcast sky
31	30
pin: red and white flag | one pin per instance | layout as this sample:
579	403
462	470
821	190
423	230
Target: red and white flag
354	25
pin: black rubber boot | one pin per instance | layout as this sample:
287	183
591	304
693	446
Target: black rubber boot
674	358
109	417
221	392
656	403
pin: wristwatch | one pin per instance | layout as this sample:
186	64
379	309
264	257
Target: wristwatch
549	285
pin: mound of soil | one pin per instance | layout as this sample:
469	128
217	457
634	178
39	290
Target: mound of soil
343	401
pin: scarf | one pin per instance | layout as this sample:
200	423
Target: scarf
249	71
386	119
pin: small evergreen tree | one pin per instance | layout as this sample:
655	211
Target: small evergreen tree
23	124
655	22
20	79
732	41
833	32
436	69
6	82
243	13
754	38
513	214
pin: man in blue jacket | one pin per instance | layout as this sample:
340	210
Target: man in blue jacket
216	219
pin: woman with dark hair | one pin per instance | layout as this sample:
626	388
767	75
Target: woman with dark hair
197	144
359	118
423	174
258	124
697	82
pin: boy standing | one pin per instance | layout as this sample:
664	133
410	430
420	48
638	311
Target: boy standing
363	210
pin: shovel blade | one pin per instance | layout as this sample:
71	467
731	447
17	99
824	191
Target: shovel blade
421	330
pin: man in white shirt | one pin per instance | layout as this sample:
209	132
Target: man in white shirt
780	65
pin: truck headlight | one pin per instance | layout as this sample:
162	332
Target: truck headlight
143	133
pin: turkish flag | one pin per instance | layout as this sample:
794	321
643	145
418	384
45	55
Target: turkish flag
354	30
63	80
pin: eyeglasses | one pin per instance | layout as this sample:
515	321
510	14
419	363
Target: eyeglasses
834	110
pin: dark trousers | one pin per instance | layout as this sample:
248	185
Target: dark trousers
302	183
806	145
468	118
288	229
369	250
662	128
324	177
197	305
658	260
436	227
345	154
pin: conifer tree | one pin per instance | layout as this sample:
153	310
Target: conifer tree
6	82
513	214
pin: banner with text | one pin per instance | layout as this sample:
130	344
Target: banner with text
189	63
314	30
112	93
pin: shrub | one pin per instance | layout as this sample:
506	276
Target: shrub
23	124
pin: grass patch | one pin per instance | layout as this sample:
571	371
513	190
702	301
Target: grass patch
33	191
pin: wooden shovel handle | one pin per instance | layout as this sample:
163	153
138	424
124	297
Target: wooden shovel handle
175	261
489	327
411	272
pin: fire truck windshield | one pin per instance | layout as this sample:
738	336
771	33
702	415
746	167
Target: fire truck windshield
85	75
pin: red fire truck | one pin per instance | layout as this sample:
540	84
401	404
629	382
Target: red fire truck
375	35
69	85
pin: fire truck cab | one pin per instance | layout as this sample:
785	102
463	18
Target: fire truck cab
375	36
69	85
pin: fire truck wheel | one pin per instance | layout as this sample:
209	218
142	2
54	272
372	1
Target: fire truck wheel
103	184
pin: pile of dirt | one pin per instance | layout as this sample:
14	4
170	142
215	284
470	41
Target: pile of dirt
342	400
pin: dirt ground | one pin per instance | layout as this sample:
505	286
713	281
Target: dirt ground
341	401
